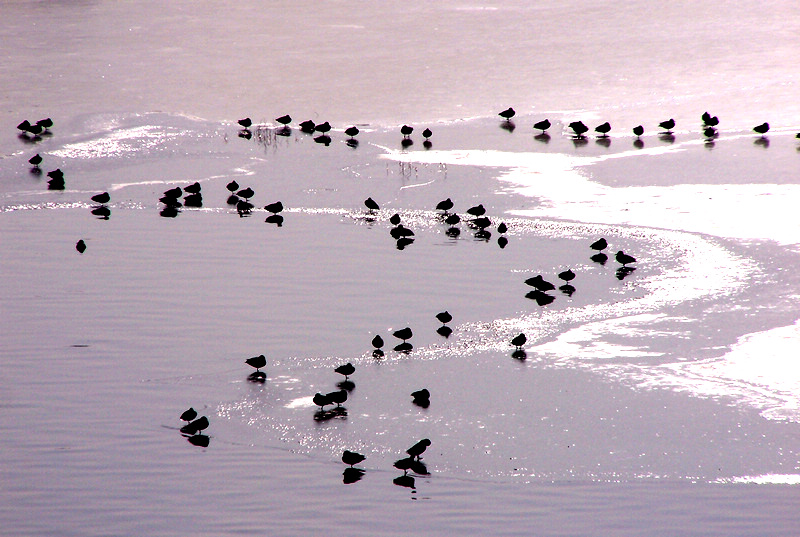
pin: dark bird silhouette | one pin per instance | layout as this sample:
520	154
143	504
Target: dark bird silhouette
400	231
540	283
599	245
638	130
352	132
444	331
196	426
603	129
482	222
275	207
444	205
245	193
174	193
599	258
567	289
346	370
35	160
406	131
578	128
323	127
421	398
245	123
507	114
452	219
540	297
519	341
307	126
352	458
502	228
404	464
377	342
371	205
56	181
337	397
667	125
404	334
502	242
80	246
189	415
194	188
418	449
567	275
321	400
624	258
56	174
762	129
709	120
402	242
257	362
45	123
24	126
199	440
102	212
427	133
542	125
101	198
233	186
478	210
284	120
710	133
394	219
444	317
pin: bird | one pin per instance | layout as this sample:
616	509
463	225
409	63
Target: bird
444	205
603	129
444	317
320	400
394	219
406	131
762	129
196	426
257	361
56	174
173	193
307	126
542	125
540	297
189	415
638	130
709	120
404	464
418	449
35	160
323	127
502	242
400	231
452	219
567	275
352	458
482	223
507	114
599	245
427	133
377	342
371	205
540	283
519	341
233	186
284	120
194	188
80	246
624	258
502	228
274	208
578	128
710	132
667	125
337	397
101	198
24	126
245	123
404	333
478	210
351	131
245	193
346	370
421	398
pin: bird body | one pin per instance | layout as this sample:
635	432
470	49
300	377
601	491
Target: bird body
284	120
519	341
599	245
337	397
427	133
352	458
233	186
762	129
400	231
394	219
444	317
452	219
667	125
24	126
406	131
196	426
194	188
404	333
307	126
245	193
502	228
603	129
189	415
321	400
35	160
507	114
245	123
478	210
638	130
444	205
174	193
45	123
101	198
542	125
371	204
419	448
624	258
80	246
275	207
540	283
323	127
377	342
257	361
351	131
567	275
346	369
578	128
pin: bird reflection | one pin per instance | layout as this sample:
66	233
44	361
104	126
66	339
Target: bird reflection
444	331
404	481
352	142
406	143
667	137
169	212
347	385
246	134
404	347
579	141
284	131
762	142
452	232
508	125
259	377
323	139
421	398
102	212
199	440
519	354
542	137
352	475
540	297
275	219
599	258
427	144
502	242
402	242
638	143
567	289
604	141
339	412
624	271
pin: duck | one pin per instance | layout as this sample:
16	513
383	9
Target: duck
346	370
352	458
416	451
624	258
519	340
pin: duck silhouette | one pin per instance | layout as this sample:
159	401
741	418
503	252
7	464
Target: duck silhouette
444	317
444	205
188	415
351	458
519	340
284	120
338	397
603	129
507	114
599	245
762	129
452	219
321	400
406	131
542	125
245	123
567	275
394	219
101	198
352	132
541	298
667	125
274	207
540	283
346	370
502	228
371	205
257	362
35	160
638	130
624	258
404	334
80	246
196	426
427	133
307	126
421	398
578	128
416	451
478	210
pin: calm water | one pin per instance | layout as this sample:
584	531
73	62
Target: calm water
665	402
